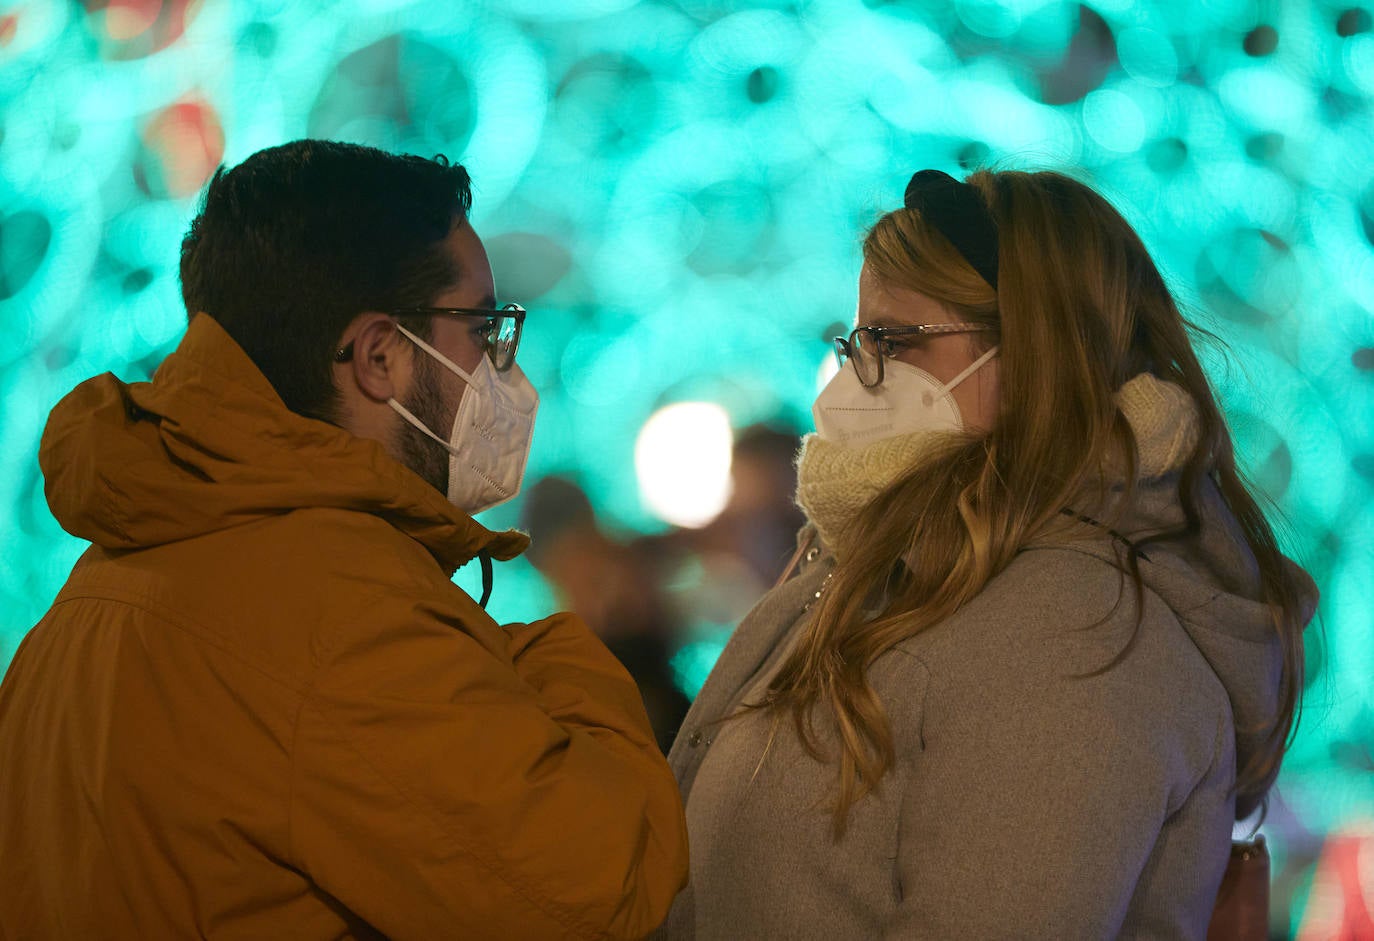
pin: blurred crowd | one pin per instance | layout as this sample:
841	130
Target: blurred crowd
648	597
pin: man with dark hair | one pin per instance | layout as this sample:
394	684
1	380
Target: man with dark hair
259	708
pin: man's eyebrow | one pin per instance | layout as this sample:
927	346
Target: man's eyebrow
488	302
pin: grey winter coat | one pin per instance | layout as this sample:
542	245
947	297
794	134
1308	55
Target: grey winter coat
1033	796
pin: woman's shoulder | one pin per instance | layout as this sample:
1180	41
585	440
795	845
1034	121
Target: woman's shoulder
1046	599
1059	626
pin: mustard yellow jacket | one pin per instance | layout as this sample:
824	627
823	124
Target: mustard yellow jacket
260	709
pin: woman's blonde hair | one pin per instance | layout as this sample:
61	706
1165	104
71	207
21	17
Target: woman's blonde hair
1080	310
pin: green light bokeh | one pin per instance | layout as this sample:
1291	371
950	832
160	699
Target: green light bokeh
677	189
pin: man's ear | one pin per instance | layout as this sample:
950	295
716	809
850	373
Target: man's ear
381	361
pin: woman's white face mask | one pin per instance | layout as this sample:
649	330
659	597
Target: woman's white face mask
489	443
908	400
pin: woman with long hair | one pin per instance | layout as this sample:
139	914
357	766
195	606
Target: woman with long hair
1039	650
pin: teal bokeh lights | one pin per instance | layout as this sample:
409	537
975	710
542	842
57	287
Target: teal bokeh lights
676	190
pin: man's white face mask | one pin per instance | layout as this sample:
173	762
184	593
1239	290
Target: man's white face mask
489	443
908	400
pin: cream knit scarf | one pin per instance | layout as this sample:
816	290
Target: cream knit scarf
834	483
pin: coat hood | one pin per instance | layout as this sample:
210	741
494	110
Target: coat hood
1211	581
208	444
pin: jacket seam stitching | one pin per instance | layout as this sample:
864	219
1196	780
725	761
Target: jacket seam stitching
186	625
118	517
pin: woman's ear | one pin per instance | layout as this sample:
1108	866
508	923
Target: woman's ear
381	357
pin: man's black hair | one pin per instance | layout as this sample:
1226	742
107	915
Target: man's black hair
293	243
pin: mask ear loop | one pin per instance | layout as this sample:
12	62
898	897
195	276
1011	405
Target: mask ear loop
410	417
972	368
405	412
467	376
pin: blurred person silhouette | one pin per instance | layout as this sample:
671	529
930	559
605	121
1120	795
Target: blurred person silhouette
716	572
634	593
758	524
615	587
1041	650
260	707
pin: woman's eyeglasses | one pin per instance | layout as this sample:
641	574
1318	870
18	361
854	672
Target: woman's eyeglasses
867	347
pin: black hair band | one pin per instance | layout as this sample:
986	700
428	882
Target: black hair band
957	212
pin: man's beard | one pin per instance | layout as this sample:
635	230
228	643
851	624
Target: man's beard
419	452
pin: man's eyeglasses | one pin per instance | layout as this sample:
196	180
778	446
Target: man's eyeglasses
867	347
501	336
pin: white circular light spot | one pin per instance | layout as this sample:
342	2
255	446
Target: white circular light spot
1114	120
995	20
1358	56
1148	56
682	462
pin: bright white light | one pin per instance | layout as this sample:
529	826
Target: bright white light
682	460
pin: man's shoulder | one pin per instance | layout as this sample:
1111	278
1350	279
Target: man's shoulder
282	590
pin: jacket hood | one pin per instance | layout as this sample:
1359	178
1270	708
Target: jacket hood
208	444
1211	581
